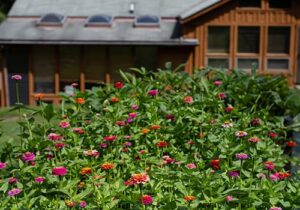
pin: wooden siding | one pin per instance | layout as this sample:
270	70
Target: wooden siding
231	15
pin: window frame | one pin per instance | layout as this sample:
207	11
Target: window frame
53	24
102	24
147	25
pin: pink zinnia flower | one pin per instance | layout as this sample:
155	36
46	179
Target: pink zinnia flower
78	130
14	192
241	156
39	179
120	123
53	136
59	171
132	115
103	145
2	165
64	124
153	92
227	124
188	100
146	199
82	204
269	165
217	83
134	107
275	208
229	109
222	96
272	134
229	198
253	139
16	77
91	153
190	165
12	180
28	156
241	133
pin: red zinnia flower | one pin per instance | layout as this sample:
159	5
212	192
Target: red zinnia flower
292	144
229	109
188	99
118	85
215	164
161	144
189	198
110	138
272	134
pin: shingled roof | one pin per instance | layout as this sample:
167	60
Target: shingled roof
21	24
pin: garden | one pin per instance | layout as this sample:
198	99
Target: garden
158	140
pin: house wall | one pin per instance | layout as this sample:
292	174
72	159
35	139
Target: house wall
230	14
51	69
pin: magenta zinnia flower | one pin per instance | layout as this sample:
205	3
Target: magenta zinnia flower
153	92
241	156
59	171
234	174
28	156
39	179
82	204
146	199
14	192
53	136
2	165
229	198
190	165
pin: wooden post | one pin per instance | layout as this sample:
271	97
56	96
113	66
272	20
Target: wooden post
82	75
108	67
31	77
56	74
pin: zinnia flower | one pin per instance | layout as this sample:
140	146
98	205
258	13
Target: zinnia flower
140	178
118	85
16	77
229	109
86	170
39	96
28	156
269	165
59	171
114	99
217	82
272	134
145	130
234	174
132	115
107	166
70	203
254	139
161	144
80	100
2	165
146	199
229	198
82	204
134	107
241	156
59	145
227	124
12	180
291	144
191	165
275	208
188	100
39	179
255	122
91	153
155	127
64	124
110	138
241	133
153	92
14	192
78	130
215	164
222	96
189	198
53	136
120	123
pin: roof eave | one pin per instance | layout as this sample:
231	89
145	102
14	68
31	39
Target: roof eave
187	17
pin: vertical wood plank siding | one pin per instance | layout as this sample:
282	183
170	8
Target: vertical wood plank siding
231	15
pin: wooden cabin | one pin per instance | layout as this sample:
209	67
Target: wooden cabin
54	44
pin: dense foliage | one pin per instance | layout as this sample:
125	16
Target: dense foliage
162	140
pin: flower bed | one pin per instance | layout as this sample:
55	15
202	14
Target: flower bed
157	141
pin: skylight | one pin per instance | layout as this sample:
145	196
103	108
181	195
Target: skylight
52	19
99	20
147	20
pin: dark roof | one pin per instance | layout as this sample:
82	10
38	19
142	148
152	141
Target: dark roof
21	25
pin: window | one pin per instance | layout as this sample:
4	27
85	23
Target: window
52	19
247	63
44	66
221	63
278	64
218	39
249	3
279	40
147	21
280	3
99	20
248	39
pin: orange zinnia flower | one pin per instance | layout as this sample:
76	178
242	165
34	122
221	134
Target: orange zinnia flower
189	198
107	166
39	96
80	100
114	99
155	127
86	170
145	131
